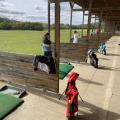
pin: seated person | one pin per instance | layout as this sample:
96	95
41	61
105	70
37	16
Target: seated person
44	63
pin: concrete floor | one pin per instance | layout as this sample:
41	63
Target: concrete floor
99	88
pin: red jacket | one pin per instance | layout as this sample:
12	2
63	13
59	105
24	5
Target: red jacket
72	98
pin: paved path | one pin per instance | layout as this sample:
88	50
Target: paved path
100	89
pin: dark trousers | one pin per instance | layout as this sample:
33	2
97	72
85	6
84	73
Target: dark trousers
48	53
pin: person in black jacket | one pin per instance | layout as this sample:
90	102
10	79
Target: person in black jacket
46	44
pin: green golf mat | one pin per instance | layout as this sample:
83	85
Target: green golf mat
64	69
8	104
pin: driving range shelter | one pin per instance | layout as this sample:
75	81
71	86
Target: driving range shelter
17	68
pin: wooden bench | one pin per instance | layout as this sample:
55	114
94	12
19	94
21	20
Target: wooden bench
73	51
93	42
104	37
18	69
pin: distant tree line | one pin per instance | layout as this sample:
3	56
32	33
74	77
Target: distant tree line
21	26
67	26
6	24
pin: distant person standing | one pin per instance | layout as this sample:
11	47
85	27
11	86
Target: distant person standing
75	37
46	44
98	32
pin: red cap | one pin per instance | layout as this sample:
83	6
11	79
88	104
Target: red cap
73	77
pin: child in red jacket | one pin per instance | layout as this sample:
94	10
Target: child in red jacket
72	96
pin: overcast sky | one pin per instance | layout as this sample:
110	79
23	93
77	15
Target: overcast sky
36	11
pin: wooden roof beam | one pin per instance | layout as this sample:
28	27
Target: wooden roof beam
53	1
78	9
111	16
99	9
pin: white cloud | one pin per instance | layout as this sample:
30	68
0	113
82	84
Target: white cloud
8	9
5	11
35	18
5	4
36	11
37	7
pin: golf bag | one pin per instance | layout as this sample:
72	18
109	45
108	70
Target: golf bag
44	63
71	93
93	60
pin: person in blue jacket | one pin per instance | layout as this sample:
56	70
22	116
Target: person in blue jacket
103	48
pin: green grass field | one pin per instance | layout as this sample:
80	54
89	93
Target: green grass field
27	42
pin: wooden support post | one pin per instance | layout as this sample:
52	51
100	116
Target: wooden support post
49	17
95	25
89	19
99	26
103	26
92	26
57	37
106	26
100	21
83	23
89	26
71	14
114	28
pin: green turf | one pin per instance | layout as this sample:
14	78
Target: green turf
8	104
28	42
64	69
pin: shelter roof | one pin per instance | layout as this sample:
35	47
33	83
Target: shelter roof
110	8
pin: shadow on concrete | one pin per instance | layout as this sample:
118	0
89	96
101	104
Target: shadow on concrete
37	91
89	81
110	54
93	116
85	63
109	68
95	113
104	58
87	111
